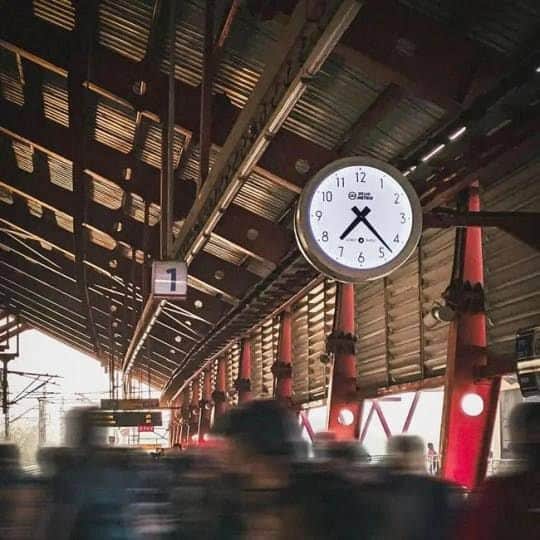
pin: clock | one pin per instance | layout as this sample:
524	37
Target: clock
358	219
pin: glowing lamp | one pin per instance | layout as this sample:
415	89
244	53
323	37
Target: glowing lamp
345	417
472	404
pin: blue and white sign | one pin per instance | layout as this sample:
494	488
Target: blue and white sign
169	279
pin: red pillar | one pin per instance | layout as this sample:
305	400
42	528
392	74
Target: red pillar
219	395
466	439
194	413
243	383
184	419
282	367
345	408
205	406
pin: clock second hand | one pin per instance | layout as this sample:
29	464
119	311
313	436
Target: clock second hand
362	217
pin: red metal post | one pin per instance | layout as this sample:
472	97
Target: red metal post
243	383
194	413
345	408
466	437
184	418
205	406
382	419
411	412
282	367
219	395
367	423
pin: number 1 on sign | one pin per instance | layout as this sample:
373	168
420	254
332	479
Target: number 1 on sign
172	273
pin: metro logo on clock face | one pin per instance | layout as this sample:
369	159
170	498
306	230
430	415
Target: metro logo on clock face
358	219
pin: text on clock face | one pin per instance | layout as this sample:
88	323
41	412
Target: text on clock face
360	217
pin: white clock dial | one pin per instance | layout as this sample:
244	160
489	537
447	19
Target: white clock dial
357	219
361	217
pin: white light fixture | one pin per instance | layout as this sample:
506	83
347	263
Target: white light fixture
205	437
436	150
345	417
178	339
472	404
194	437
458	133
538	69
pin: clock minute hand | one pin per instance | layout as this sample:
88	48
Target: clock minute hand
373	230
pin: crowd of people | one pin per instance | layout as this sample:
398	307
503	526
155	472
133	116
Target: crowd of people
257	479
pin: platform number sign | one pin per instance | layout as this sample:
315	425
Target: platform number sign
169	279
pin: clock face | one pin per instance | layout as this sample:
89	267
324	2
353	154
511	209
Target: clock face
358	219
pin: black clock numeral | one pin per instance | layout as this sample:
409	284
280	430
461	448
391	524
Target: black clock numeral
396	238
361	258
361	177
381	253
402	214
318	215
396	198
325	236
340	181
382	183
327	196
340	251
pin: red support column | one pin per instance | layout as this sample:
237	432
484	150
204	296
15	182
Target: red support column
243	383
345	408
205	408
282	367
219	395
194	413
184	418
469	405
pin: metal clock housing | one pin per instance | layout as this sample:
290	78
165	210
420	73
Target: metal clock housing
358	219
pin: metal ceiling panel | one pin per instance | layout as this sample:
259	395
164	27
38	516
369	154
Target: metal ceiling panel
332	103
263	197
59	12
512	268
312	319
55	98
11	86
124	26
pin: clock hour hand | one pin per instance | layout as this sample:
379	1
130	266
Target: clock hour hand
359	217
373	230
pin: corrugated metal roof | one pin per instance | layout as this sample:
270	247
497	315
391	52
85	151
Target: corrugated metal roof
59	12
124	26
150	148
11	86
263	197
500	25
333	101
512	268
24	154
55	98
113	124
404	125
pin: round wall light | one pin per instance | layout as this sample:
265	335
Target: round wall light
472	404
345	417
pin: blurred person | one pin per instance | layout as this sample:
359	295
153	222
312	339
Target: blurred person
90	488
412	505
432	459
508	507
263	493
405	454
20	497
10	480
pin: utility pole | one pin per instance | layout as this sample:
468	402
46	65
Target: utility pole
42	420
5	401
